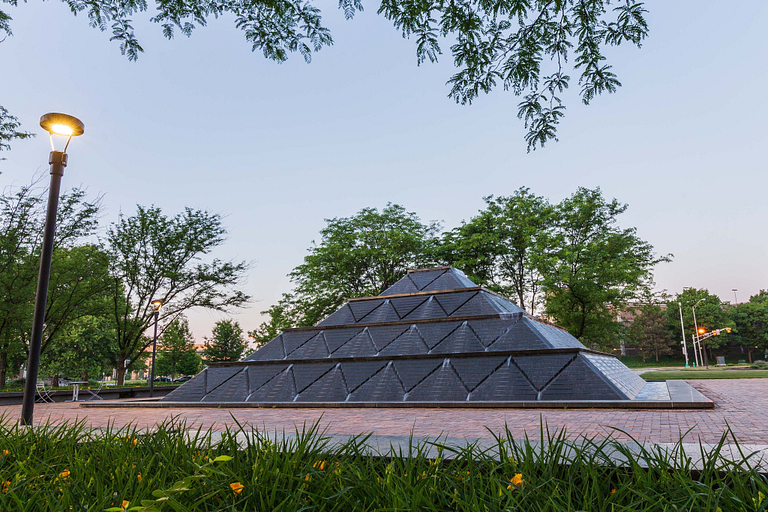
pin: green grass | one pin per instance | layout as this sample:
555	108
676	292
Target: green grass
714	373
71	467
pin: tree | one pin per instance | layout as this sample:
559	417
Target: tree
593	267
522	45
750	321
176	355
499	247
87	348
78	271
9	125
226	342
153	256
649	331
710	315
357	256
280	318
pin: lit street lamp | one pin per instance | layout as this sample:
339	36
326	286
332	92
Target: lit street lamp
699	332
157	304
64	126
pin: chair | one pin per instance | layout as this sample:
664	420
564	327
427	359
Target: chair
95	392
43	394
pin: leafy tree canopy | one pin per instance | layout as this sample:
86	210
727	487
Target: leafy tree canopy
153	256
530	47
750	321
226	342
176	354
710	315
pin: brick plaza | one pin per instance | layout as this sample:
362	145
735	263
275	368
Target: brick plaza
741	404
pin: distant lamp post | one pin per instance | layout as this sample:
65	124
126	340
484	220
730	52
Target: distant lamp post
702	353
157	304
682	326
59	126
735	300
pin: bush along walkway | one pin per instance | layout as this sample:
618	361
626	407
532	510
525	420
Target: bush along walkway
71	467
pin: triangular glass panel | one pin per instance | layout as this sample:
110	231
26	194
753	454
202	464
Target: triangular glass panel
215	377
342	316
408	343
429	310
360	308
315	348
307	373
473	370
272	351
519	337
192	391
280	389
404	305
459	341
453	301
444	282
294	339
334	338
382	387
384	313
328	388
478	305
414	371
422	278
260	375
441	386
356	373
405	285
359	346
506	384
541	368
435	332
578	381
383	335
490	329
234	389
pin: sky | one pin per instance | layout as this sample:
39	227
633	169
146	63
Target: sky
277	148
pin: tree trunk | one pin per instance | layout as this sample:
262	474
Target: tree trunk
55	381
121	373
3	368
749	354
657	356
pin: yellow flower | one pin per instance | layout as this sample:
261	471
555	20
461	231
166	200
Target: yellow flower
139	477
237	487
308	478
320	464
516	480
6	453
6	486
125	504
64	474
613	491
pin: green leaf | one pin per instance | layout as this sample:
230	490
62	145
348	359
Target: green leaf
222	458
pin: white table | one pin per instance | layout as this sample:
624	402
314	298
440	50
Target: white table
76	389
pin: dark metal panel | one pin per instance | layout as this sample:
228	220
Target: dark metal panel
441	386
579	382
382	387
315	348
293	340
413	372
556	337
334	338
272	351
476	306
384	335
356	373
460	340
520	337
473	370
617	373
434	333
329	388
409	343
384	313
215	377
404	305
260	375
430	309
405	285
490	329
191	391
422	279
359	346
453	301
541	368
306	374
233	390
363	307
445	282
504	384
342	316
280	389
503	305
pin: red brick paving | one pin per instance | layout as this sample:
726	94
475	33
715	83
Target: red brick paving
743	404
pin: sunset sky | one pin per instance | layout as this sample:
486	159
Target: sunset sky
276	148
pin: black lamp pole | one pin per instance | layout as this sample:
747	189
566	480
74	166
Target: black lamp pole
58	161
154	351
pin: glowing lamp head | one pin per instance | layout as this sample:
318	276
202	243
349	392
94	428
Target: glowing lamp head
702	330
157	304
62	124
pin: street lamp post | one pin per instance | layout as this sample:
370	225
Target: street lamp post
157	304
702	352
682	326
65	126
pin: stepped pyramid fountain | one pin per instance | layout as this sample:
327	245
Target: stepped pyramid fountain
434	338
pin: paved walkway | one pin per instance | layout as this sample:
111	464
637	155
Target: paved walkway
741	404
